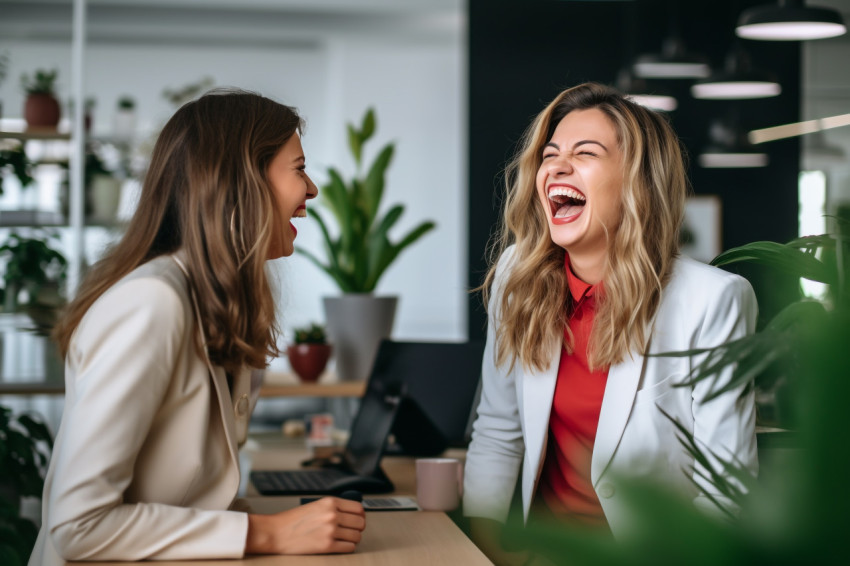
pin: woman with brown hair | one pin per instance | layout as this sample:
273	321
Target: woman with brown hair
588	284
159	345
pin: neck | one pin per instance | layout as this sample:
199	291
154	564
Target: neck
588	268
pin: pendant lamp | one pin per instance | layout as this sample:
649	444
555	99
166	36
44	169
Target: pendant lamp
640	93
674	62
738	80
790	20
729	147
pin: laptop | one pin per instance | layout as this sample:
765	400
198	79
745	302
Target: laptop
359	465
441	383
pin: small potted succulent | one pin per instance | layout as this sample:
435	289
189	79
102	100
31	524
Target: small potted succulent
41	108
309	353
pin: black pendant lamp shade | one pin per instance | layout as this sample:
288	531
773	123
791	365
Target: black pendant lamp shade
790	20
729	147
639	91
738	80
674	62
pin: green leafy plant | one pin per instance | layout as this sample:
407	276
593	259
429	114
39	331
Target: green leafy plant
35	267
313	334
362	250
16	159
42	82
126	102
25	446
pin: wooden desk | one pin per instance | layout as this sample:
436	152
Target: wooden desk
409	538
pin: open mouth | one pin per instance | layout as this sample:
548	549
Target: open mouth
565	202
300	212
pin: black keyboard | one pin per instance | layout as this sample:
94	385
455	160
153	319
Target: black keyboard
295	482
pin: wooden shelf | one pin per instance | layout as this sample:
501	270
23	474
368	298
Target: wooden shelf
36	134
278	384
32	388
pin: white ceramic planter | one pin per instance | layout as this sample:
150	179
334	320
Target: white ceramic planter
356	324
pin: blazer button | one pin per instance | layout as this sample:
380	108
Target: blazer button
242	406
606	490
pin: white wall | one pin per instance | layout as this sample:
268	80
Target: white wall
409	67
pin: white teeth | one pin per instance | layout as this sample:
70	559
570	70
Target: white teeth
300	213
566	192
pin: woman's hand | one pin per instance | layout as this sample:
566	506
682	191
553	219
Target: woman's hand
328	526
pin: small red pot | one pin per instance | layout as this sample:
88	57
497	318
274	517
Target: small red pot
42	111
308	361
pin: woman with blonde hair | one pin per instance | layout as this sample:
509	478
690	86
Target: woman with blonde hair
159	345
587	285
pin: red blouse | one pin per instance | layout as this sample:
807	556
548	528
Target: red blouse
565	485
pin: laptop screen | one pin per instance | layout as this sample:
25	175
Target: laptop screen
371	427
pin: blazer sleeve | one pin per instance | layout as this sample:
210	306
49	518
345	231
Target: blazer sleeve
725	426
496	449
125	353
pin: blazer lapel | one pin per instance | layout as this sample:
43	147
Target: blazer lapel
217	375
537	392
620	390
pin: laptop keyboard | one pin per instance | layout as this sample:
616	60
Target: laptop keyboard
294	481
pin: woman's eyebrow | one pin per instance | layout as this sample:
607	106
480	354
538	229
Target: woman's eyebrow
582	142
575	145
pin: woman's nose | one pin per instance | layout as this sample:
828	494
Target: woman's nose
560	166
312	189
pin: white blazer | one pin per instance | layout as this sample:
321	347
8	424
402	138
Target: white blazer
145	462
701	306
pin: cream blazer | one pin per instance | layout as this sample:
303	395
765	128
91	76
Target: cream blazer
701	306
145	459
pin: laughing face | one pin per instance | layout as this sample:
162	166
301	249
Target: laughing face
580	184
292	188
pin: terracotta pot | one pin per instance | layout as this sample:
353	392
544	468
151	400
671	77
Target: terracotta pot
42	111
308	361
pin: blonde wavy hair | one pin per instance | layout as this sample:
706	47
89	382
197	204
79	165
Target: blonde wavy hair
206	192
532	301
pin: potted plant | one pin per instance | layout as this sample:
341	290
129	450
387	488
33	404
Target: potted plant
25	446
16	159
34	278
360	253
124	120
309	353
41	108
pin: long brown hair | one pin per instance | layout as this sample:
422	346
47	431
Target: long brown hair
206	193
533	300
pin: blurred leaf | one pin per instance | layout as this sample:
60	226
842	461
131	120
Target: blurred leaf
780	256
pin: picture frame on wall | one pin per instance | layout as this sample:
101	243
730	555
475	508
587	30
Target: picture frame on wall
701	236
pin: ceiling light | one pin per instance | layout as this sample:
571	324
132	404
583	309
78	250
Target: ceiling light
674	62
729	147
638	91
738	80
791	20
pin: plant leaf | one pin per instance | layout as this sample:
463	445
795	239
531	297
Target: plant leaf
373	184
367	127
355	144
780	256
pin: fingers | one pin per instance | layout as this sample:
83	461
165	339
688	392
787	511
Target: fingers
348	506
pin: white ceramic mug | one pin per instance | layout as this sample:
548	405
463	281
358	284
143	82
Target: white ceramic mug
439	483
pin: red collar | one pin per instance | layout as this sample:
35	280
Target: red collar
578	288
